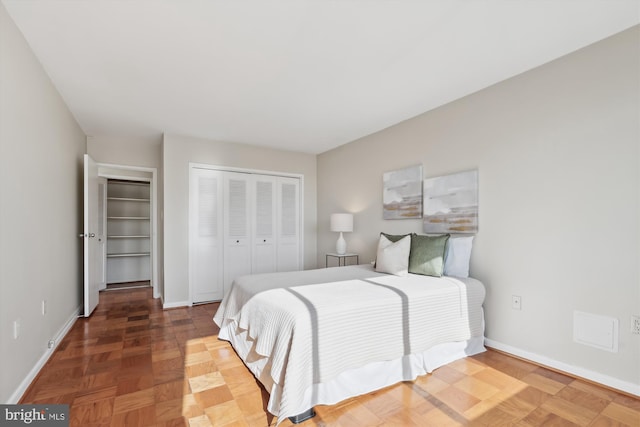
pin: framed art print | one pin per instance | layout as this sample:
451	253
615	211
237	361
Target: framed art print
451	203
402	193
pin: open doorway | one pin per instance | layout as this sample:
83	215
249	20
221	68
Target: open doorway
130	216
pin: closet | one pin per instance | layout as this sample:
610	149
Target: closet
128	231
241	223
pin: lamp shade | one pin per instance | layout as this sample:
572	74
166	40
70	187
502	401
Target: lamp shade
342	222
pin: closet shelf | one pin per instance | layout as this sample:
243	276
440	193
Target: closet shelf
133	254
128	213
128	199
127	182
129	217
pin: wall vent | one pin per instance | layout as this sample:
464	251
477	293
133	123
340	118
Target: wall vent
596	331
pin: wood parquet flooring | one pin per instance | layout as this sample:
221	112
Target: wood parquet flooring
134	364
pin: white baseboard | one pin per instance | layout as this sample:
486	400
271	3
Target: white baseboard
587	374
22	388
166	305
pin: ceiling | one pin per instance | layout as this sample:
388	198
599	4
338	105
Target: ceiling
297	75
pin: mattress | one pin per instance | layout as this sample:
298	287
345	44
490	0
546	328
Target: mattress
305	333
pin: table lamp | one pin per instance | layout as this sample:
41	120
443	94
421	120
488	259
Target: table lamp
341	222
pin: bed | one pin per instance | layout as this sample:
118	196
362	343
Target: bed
321	336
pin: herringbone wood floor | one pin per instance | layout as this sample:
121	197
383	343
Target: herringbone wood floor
133	364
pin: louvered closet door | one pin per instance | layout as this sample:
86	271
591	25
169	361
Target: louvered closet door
206	240
237	226
288	224
264	224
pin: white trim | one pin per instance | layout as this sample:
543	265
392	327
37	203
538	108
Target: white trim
301	254
176	304
244	170
57	339
587	374
190	243
125	177
127	167
155	266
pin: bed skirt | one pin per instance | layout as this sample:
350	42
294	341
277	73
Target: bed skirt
353	382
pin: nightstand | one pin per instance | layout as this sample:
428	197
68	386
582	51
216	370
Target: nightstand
342	259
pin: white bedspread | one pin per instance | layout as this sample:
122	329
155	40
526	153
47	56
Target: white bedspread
313	325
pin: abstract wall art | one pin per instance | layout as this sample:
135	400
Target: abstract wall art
451	203
402	193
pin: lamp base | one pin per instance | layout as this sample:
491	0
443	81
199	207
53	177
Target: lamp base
341	245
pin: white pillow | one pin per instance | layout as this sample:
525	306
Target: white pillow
393	258
457	256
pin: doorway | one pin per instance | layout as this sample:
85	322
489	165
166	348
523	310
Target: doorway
131	221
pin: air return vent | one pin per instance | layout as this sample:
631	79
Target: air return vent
595	331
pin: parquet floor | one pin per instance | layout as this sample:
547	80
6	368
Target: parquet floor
134	364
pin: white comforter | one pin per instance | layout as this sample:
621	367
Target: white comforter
313	325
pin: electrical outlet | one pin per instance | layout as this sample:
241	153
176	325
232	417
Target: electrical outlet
51	344
516	302
635	325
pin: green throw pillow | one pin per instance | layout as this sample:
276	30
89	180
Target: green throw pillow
427	254
394	237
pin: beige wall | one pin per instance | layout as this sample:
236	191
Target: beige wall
41	148
177	152
127	151
557	150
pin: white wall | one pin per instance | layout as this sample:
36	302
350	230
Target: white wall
177	152
557	150
41	148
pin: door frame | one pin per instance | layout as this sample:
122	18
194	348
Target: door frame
153	182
